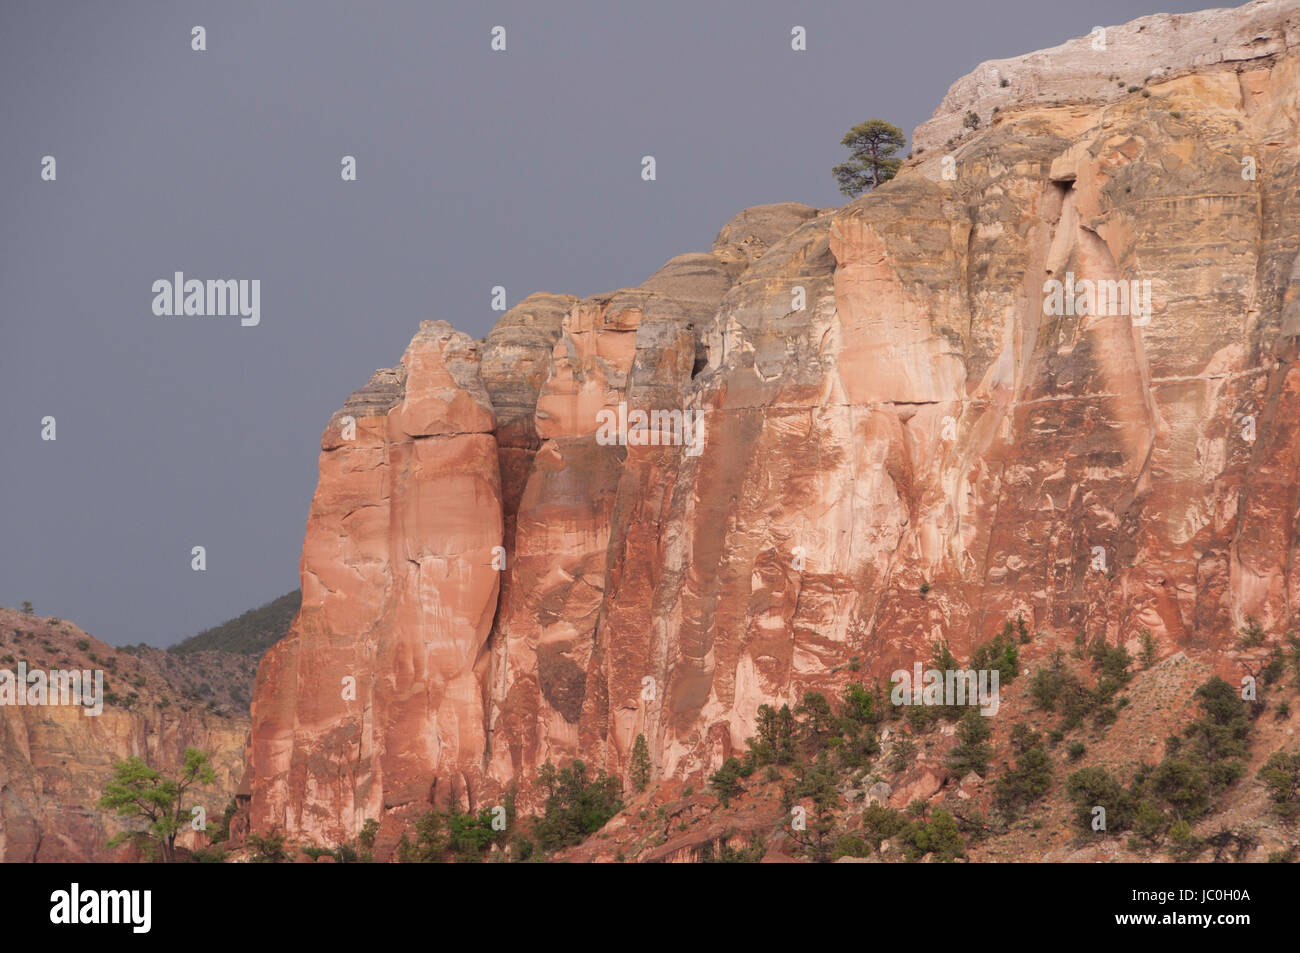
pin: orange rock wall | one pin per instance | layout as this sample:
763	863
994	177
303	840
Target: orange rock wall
888	409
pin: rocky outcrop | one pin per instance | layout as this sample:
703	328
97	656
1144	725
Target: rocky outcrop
1105	65
377	698
55	760
905	441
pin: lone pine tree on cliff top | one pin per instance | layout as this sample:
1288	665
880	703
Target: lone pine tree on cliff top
874	143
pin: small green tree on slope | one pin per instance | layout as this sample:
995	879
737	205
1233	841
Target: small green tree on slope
137	790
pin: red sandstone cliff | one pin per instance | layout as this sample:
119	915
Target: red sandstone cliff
887	406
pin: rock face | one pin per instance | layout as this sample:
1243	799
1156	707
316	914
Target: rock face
905	441
377	697
55	760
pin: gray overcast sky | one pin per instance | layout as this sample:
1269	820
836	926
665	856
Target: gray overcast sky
475	169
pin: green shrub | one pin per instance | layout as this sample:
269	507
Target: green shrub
1112	662
1094	787
725	782
639	772
268	849
938	836
442	836
850	845
1000	653
1223	731
1048	683
367	839
920	716
1252	633
575	805
1149	823
880	823
1148	648
819	783
817	724
775	742
1023	738
901	754
1184	785
1182	843
972	750
1281	775
1028	781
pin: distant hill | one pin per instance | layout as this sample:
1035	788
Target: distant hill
251	634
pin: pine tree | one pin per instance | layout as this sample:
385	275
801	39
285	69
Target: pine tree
873	163
972	753
640	769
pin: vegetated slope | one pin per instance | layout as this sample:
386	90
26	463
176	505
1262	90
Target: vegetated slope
1183	767
251	633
